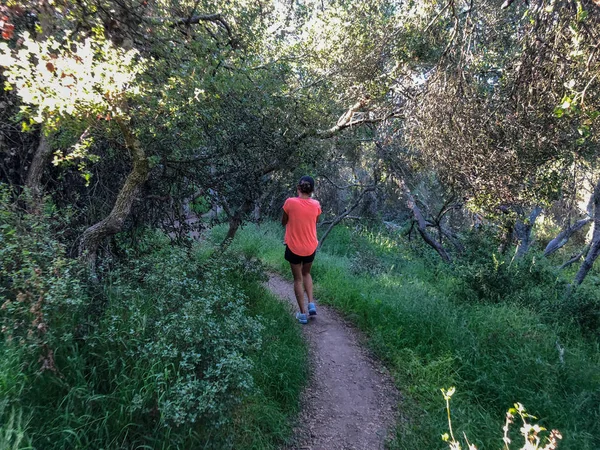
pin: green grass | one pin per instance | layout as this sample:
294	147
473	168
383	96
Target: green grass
280	371
496	354
165	339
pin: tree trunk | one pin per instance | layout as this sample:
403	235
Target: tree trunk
113	223
235	221
41	158
422	226
523	232
234	225
453	240
563	237
594	251
505	239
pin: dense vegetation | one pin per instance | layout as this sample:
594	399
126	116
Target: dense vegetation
175	345
481	326
455	147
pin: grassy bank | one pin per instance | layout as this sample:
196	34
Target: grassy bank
175	348
495	353
280	370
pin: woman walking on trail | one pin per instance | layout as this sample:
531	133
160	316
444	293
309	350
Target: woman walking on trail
300	221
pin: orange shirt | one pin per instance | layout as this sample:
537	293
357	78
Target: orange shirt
301	229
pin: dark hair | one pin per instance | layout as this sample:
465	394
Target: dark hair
306	185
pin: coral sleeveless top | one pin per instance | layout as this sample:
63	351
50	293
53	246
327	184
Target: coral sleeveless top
301	229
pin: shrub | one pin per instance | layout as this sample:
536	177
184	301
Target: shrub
185	325
482	275
162	355
582	306
41	290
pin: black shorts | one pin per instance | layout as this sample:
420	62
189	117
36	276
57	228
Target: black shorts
295	259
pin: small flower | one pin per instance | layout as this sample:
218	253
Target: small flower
449	393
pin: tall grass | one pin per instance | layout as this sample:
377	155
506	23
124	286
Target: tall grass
178	349
495	353
280	371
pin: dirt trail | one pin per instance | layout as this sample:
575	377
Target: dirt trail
350	402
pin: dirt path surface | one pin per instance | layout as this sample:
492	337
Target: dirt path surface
350	402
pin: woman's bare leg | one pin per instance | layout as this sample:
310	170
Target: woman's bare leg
307	281
298	289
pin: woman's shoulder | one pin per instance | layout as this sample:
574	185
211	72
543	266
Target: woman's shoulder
302	201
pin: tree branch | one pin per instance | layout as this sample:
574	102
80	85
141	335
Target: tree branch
345	214
507	4
196	19
341	188
326	134
422	224
576	257
563	237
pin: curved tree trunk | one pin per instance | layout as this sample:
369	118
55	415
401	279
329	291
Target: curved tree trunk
113	223
234	225
422	227
594	250
235	220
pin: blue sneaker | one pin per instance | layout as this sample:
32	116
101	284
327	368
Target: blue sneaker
301	318
312	309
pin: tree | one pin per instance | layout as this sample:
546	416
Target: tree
508	108
83	82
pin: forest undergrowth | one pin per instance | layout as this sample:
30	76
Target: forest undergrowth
175	347
500	332
182	347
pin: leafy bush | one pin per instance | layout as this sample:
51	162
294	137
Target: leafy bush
498	278
162	354
582	307
190	320
533	282
41	291
366	263
43	298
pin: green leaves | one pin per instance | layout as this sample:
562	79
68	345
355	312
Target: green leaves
83	80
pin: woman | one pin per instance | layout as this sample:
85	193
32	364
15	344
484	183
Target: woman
300	221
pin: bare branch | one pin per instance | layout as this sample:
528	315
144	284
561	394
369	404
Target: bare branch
345	214
576	257
422	224
325	134
342	188
328	222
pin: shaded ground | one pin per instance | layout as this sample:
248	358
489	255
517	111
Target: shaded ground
350	401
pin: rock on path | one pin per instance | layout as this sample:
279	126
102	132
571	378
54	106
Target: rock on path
350	402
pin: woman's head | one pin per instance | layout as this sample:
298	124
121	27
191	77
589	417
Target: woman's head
306	185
